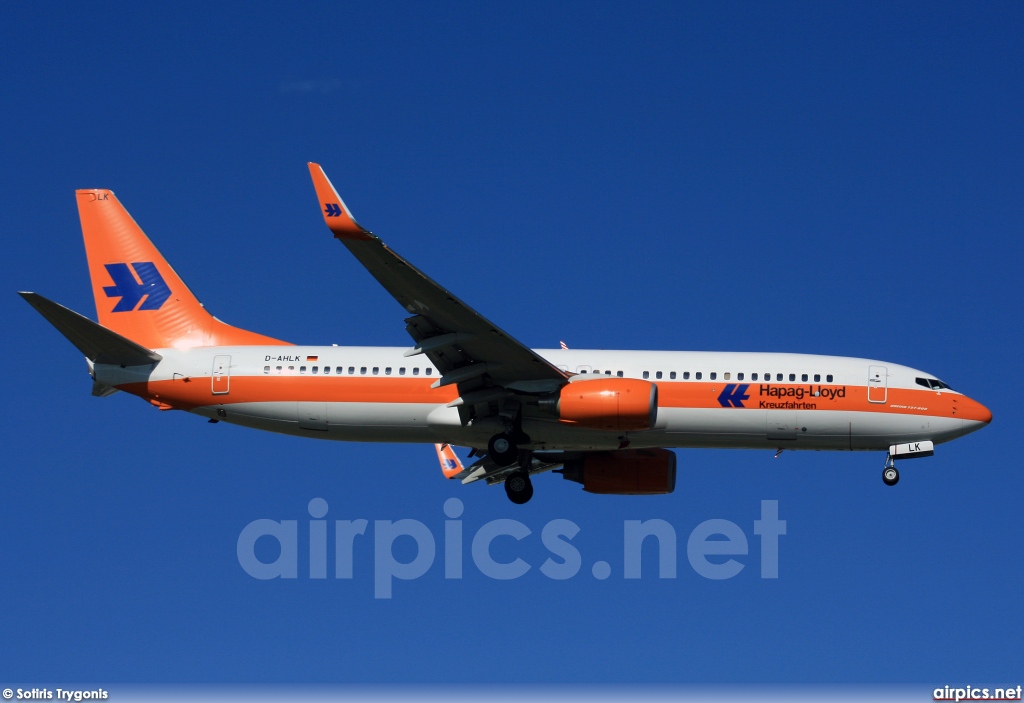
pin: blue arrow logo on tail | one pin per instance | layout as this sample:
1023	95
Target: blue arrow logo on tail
153	288
733	395
332	209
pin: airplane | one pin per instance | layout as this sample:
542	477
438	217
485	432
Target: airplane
605	419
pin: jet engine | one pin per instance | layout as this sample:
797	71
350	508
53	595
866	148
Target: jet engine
616	404
624	472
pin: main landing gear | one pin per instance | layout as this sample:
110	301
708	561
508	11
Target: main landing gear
890	476
504	450
519	487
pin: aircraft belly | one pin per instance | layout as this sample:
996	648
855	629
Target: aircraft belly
682	427
880	430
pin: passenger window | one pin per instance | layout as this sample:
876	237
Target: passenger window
714	375
778	377
792	377
828	379
753	377
698	375
415	370
362	370
727	375
427	371
619	374
401	371
803	377
266	369
647	374
817	378
658	374
316	369
739	376
291	368
608	372
376	370
387	371
278	369
351	370
327	369
672	375
686	375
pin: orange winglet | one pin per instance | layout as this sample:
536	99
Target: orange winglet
336	214
450	464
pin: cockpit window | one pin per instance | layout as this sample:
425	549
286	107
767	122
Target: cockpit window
933	383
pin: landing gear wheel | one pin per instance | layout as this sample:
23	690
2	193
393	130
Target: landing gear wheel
890	476
503	450
519	487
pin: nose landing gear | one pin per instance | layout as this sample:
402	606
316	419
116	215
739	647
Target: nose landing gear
890	476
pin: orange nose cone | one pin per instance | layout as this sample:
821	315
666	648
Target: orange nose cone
986	414
977	412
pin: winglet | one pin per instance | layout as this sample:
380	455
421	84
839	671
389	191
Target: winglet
336	214
450	464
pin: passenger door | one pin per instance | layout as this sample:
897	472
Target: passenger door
221	378
878	384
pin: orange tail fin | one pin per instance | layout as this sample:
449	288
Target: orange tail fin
138	294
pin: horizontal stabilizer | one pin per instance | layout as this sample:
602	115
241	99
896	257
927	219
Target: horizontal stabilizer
99	344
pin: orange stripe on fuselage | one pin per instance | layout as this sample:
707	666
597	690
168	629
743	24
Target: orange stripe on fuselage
197	392
777	396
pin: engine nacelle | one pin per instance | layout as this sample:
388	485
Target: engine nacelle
616	404
624	472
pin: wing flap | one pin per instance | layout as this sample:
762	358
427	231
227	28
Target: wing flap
485	469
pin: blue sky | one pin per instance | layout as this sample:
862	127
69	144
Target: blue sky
785	177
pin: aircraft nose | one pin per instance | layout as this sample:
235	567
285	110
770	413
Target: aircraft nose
975	411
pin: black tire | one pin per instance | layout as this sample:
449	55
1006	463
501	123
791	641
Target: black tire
890	476
519	487
503	450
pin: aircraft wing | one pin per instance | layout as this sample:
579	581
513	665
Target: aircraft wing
485	469
467	349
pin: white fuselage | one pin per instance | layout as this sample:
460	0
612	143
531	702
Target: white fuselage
706	399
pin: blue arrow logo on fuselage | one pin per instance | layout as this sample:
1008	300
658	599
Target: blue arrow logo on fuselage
733	395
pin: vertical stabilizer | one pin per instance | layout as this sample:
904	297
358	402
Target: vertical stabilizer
138	295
